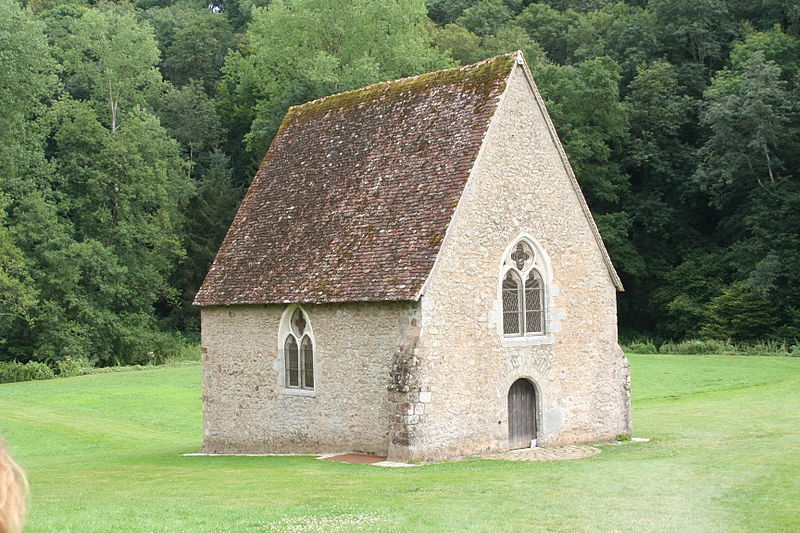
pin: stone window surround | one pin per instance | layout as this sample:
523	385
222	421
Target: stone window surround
552	315
280	365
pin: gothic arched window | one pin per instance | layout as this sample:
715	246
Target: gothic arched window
298	352
523	292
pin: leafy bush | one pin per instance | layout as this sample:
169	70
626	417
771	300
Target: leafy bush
767	347
12	371
697	346
168	348
740	313
644	346
187	352
74	366
726	347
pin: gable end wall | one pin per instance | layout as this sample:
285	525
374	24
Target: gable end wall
518	187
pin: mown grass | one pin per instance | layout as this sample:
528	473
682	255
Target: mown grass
103	453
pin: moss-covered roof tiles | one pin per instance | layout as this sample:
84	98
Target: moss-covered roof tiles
355	194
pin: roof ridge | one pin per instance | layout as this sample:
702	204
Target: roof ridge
472	66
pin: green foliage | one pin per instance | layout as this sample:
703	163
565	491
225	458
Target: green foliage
17	292
550	28
27	82
110	59
698	31
741	314
11	372
102	272
78	366
191	118
198	51
713	346
644	347
510	38
486	17
303	49
782	49
446	11
209	214
680	118
748	113
591	133
698	346
625	33
463	45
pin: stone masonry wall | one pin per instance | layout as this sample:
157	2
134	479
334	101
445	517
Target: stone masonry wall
580	374
247	410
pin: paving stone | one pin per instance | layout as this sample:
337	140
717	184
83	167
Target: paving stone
556	453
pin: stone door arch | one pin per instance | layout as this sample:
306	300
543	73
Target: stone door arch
521	414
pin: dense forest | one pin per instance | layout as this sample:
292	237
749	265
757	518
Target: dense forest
130	131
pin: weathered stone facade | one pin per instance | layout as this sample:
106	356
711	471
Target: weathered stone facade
248	410
429	379
519	187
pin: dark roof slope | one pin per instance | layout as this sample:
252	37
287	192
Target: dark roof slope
355	194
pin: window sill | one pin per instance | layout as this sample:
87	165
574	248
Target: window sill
530	340
298	392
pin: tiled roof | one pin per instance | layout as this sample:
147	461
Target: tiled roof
354	196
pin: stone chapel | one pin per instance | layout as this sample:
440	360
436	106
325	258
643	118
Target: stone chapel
414	272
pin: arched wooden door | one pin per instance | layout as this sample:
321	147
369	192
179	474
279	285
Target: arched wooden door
521	414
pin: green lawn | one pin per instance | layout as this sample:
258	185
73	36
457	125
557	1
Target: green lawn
103	454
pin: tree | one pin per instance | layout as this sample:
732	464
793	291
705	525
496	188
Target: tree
463	45
668	213
748	114
17	293
110	58
445	12
769	250
777	46
550	28
303	49
27	82
625	33
209	213
198	51
104	254
485	17
741	314
510	38
592	133
695	30
191	118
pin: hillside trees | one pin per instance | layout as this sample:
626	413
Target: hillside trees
102	232
748	164
130	129
27	82
193	42
303	49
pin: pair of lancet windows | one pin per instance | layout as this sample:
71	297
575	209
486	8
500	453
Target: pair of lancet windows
298	353
523	292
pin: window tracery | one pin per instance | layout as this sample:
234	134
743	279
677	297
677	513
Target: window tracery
298	353
523	295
